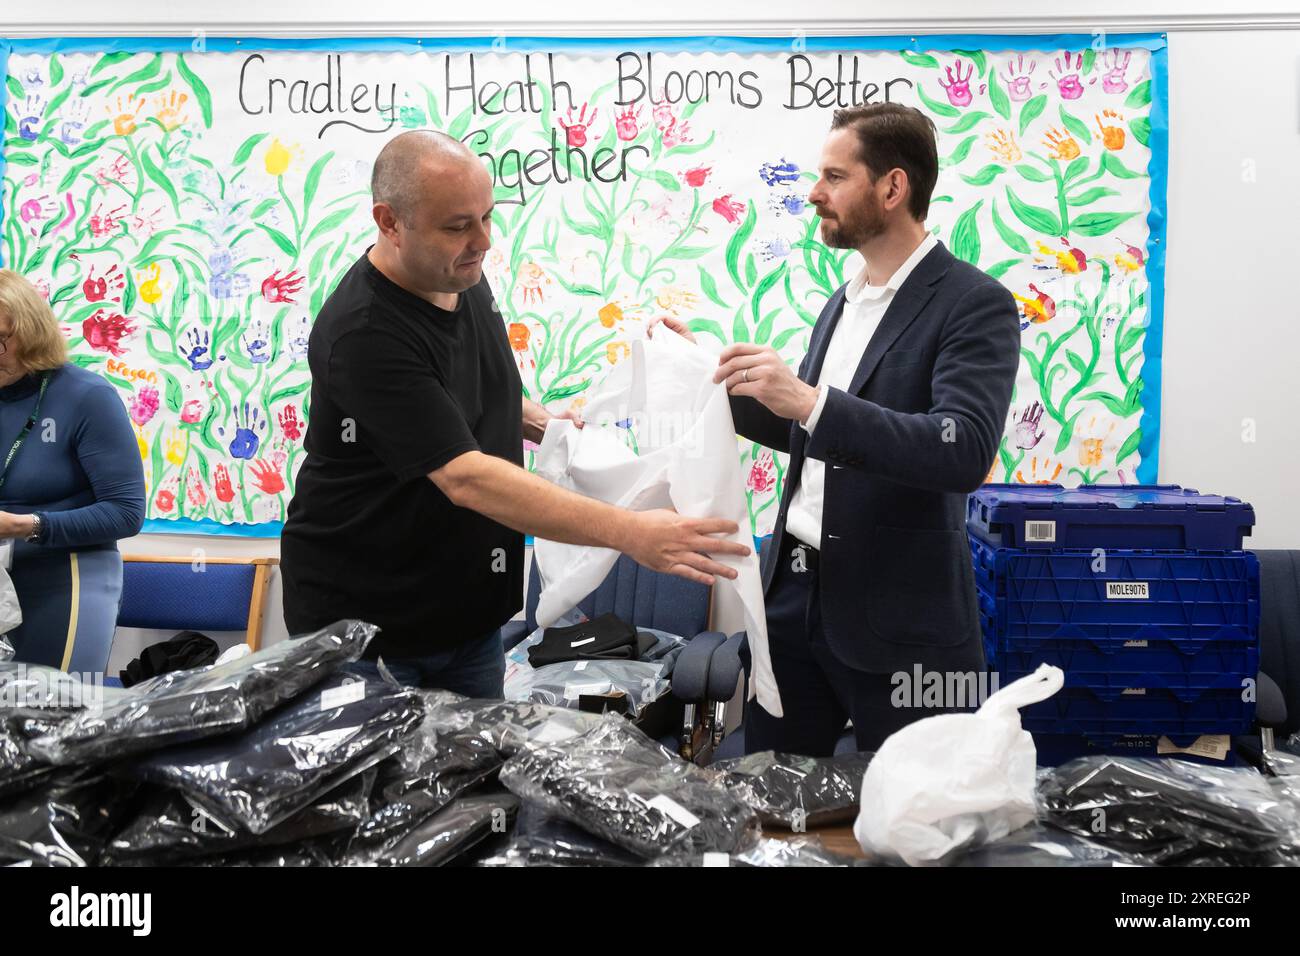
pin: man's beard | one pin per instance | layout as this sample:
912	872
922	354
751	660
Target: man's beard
856	232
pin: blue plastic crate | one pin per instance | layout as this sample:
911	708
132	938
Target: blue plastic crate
1194	604
1159	517
1181	714
1055	749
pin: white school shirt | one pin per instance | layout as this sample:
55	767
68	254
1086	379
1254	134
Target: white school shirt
864	307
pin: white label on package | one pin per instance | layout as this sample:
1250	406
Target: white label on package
1130	590
574	691
581	665
587	640
1040	531
667	805
714	858
1213	746
349	693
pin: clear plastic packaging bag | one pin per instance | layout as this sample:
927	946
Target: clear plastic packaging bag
798	851
1172	812
507	725
1038	845
543	839
6	649
619	784
443	836
564	684
260	778
188	705
11	614
797	792
66	822
169	828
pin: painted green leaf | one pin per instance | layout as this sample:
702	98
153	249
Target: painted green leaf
15	88
280	239
246	148
710	326
1139	96
784	338
1089	58
939	109
999	269
751	270
159	177
919	59
985	175
966	237
56	70
1067	433
1033	173
22	159
977	56
1009	235
1075	125
1076	167
708	286
1099	223
201	92
154	87
1129	339
765	286
146	72
966	122
960	153
312	182
736	243
110	59
330	222
667	180
998	97
1130	445
1031	111
1091	196
95	87
1035	217
172	391
1141	129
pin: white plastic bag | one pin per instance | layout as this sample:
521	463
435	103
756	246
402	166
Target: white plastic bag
11	615
954	780
659	434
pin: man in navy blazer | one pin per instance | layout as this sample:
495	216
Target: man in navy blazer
894	416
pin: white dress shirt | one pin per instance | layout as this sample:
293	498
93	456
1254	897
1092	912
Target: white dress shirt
864	307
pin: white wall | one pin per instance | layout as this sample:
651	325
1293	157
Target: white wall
1232	334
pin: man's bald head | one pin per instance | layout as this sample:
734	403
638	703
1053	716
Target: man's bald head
403	169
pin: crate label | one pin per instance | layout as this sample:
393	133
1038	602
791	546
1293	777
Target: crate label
1213	746
1130	590
1040	531
1137	643
1134	692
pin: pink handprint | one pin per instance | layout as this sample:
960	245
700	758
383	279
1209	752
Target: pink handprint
958	87
677	134
290	424
576	130
1018	79
1067	82
1027	432
626	123
194	490
1116	61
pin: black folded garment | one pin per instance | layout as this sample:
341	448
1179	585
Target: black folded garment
188	705
187	650
169	828
543	839
798	851
619	784
602	638
263	776
797	792
66	822
443	836
1172	812
506	725
1039	845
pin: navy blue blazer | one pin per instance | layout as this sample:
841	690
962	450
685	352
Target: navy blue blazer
915	432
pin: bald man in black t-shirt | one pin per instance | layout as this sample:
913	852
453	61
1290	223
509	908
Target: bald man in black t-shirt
411	506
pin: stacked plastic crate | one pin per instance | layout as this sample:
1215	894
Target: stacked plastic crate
1141	594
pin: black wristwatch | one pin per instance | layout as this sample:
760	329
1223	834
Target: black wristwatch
38	526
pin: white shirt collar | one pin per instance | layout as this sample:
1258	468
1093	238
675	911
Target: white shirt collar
858	289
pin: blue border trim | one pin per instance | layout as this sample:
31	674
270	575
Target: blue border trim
5	47
1148	469
270	529
1153	342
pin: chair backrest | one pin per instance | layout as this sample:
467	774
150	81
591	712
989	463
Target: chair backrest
1279	627
640	597
176	594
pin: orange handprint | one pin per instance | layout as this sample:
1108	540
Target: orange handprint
1002	143
1090	449
1112	136
1045	477
1061	143
168	109
124	112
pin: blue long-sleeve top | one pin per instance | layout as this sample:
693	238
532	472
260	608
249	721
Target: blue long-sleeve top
79	468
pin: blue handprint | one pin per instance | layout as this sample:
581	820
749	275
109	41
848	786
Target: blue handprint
788	204
258	347
33	77
70	129
246	441
783	173
777	248
200	350
300	338
29	125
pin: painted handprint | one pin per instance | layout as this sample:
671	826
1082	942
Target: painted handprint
627	123
175	448
1090	448
1112	134
696	176
1067	78
266	478
1041	308
165	500
678	134
76	116
290	425
29	123
199	353
728	208
958	85
1070	261
146	223
675	300
119	170
194	488
221	486
1061	143
124	111
787	204
256	343
192	412
277	288
36	211
143	406
575	130
167	109
773	249
300	338
1116	63
248	424
1026	433
104	332
1131	259
1002	143
150	288
531	279
1045	476
781	173
104	224
1019	80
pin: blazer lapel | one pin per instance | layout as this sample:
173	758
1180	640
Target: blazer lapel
909	301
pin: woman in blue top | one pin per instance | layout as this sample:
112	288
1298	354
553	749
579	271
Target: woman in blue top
71	485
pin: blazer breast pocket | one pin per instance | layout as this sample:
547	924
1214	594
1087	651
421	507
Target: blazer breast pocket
901	358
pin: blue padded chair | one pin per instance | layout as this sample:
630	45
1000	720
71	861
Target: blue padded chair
645	598
180	594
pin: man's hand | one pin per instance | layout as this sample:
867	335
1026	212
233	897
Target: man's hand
757	371
677	325
536	417
665	541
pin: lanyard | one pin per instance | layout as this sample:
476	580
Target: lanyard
27	428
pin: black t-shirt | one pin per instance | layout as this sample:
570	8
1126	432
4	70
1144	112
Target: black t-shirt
399	389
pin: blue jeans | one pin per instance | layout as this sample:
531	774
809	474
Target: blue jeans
475	669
